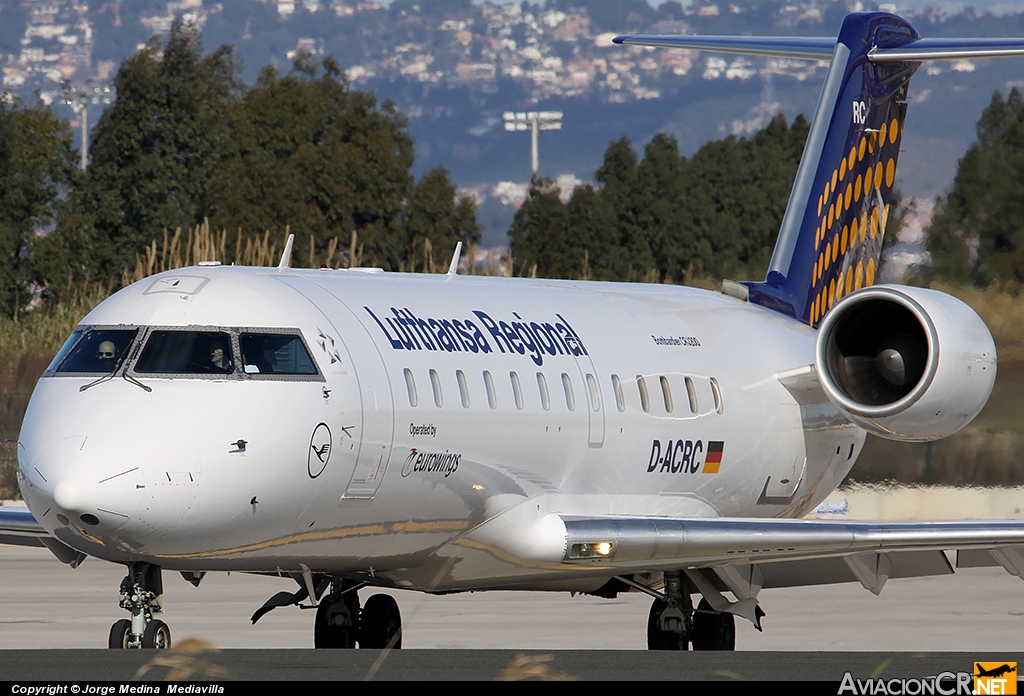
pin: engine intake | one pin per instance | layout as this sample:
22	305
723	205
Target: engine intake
906	363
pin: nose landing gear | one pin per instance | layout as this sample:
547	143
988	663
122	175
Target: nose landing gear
141	594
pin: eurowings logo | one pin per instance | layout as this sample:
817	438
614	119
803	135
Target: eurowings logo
446	462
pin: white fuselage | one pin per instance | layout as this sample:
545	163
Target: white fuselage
429	436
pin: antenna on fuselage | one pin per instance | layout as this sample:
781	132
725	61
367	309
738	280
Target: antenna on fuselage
453	267
286	255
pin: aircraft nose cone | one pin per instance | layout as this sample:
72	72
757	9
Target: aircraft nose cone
71	495
91	480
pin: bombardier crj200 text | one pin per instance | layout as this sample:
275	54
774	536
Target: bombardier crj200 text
356	429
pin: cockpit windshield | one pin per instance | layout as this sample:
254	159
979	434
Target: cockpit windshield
274	353
211	352
98	351
186	353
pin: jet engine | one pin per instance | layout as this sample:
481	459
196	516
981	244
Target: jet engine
905	363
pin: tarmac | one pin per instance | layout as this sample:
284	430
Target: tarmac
809	633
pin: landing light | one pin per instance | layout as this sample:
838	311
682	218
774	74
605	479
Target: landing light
598	549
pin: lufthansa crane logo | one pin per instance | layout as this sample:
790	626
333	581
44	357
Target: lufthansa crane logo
319	450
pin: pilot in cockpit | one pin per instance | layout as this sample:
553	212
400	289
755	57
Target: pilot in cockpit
106	352
220	356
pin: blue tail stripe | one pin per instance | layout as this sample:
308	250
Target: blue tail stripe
831	240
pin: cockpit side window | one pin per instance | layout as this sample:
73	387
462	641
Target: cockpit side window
96	351
275	353
186	353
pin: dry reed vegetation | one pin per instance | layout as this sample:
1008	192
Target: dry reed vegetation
200	243
1002	308
27	345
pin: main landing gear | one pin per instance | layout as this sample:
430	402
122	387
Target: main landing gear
673	624
141	594
341	624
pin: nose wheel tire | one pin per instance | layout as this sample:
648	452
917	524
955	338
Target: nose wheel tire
711	630
157	635
120	635
658	639
380	623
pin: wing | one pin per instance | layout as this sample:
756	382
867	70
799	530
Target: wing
631	544
746	555
20	528
870	551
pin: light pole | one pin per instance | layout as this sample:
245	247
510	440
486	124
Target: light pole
534	121
78	97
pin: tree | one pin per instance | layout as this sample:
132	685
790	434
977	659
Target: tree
667	217
36	169
186	142
976	233
737	195
154	152
436	217
319	156
538	235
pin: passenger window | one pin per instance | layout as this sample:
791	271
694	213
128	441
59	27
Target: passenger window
641	385
595	394
716	391
666	392
460	377
98	350
410	386
186	353
517	390
492	398
570	400
692	394
435	382
276	354
620	398
542	385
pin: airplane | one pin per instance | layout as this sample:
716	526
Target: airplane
352	429
995	671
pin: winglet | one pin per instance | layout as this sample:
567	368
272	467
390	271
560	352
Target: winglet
453	267
286	255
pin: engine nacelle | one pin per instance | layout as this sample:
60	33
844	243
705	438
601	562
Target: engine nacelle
906	363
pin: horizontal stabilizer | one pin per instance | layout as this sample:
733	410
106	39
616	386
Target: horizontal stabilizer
802	48
821	47
947	49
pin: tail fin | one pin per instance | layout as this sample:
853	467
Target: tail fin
830	240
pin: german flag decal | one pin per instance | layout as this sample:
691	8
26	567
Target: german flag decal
714	458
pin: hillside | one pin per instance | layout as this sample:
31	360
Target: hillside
454	67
